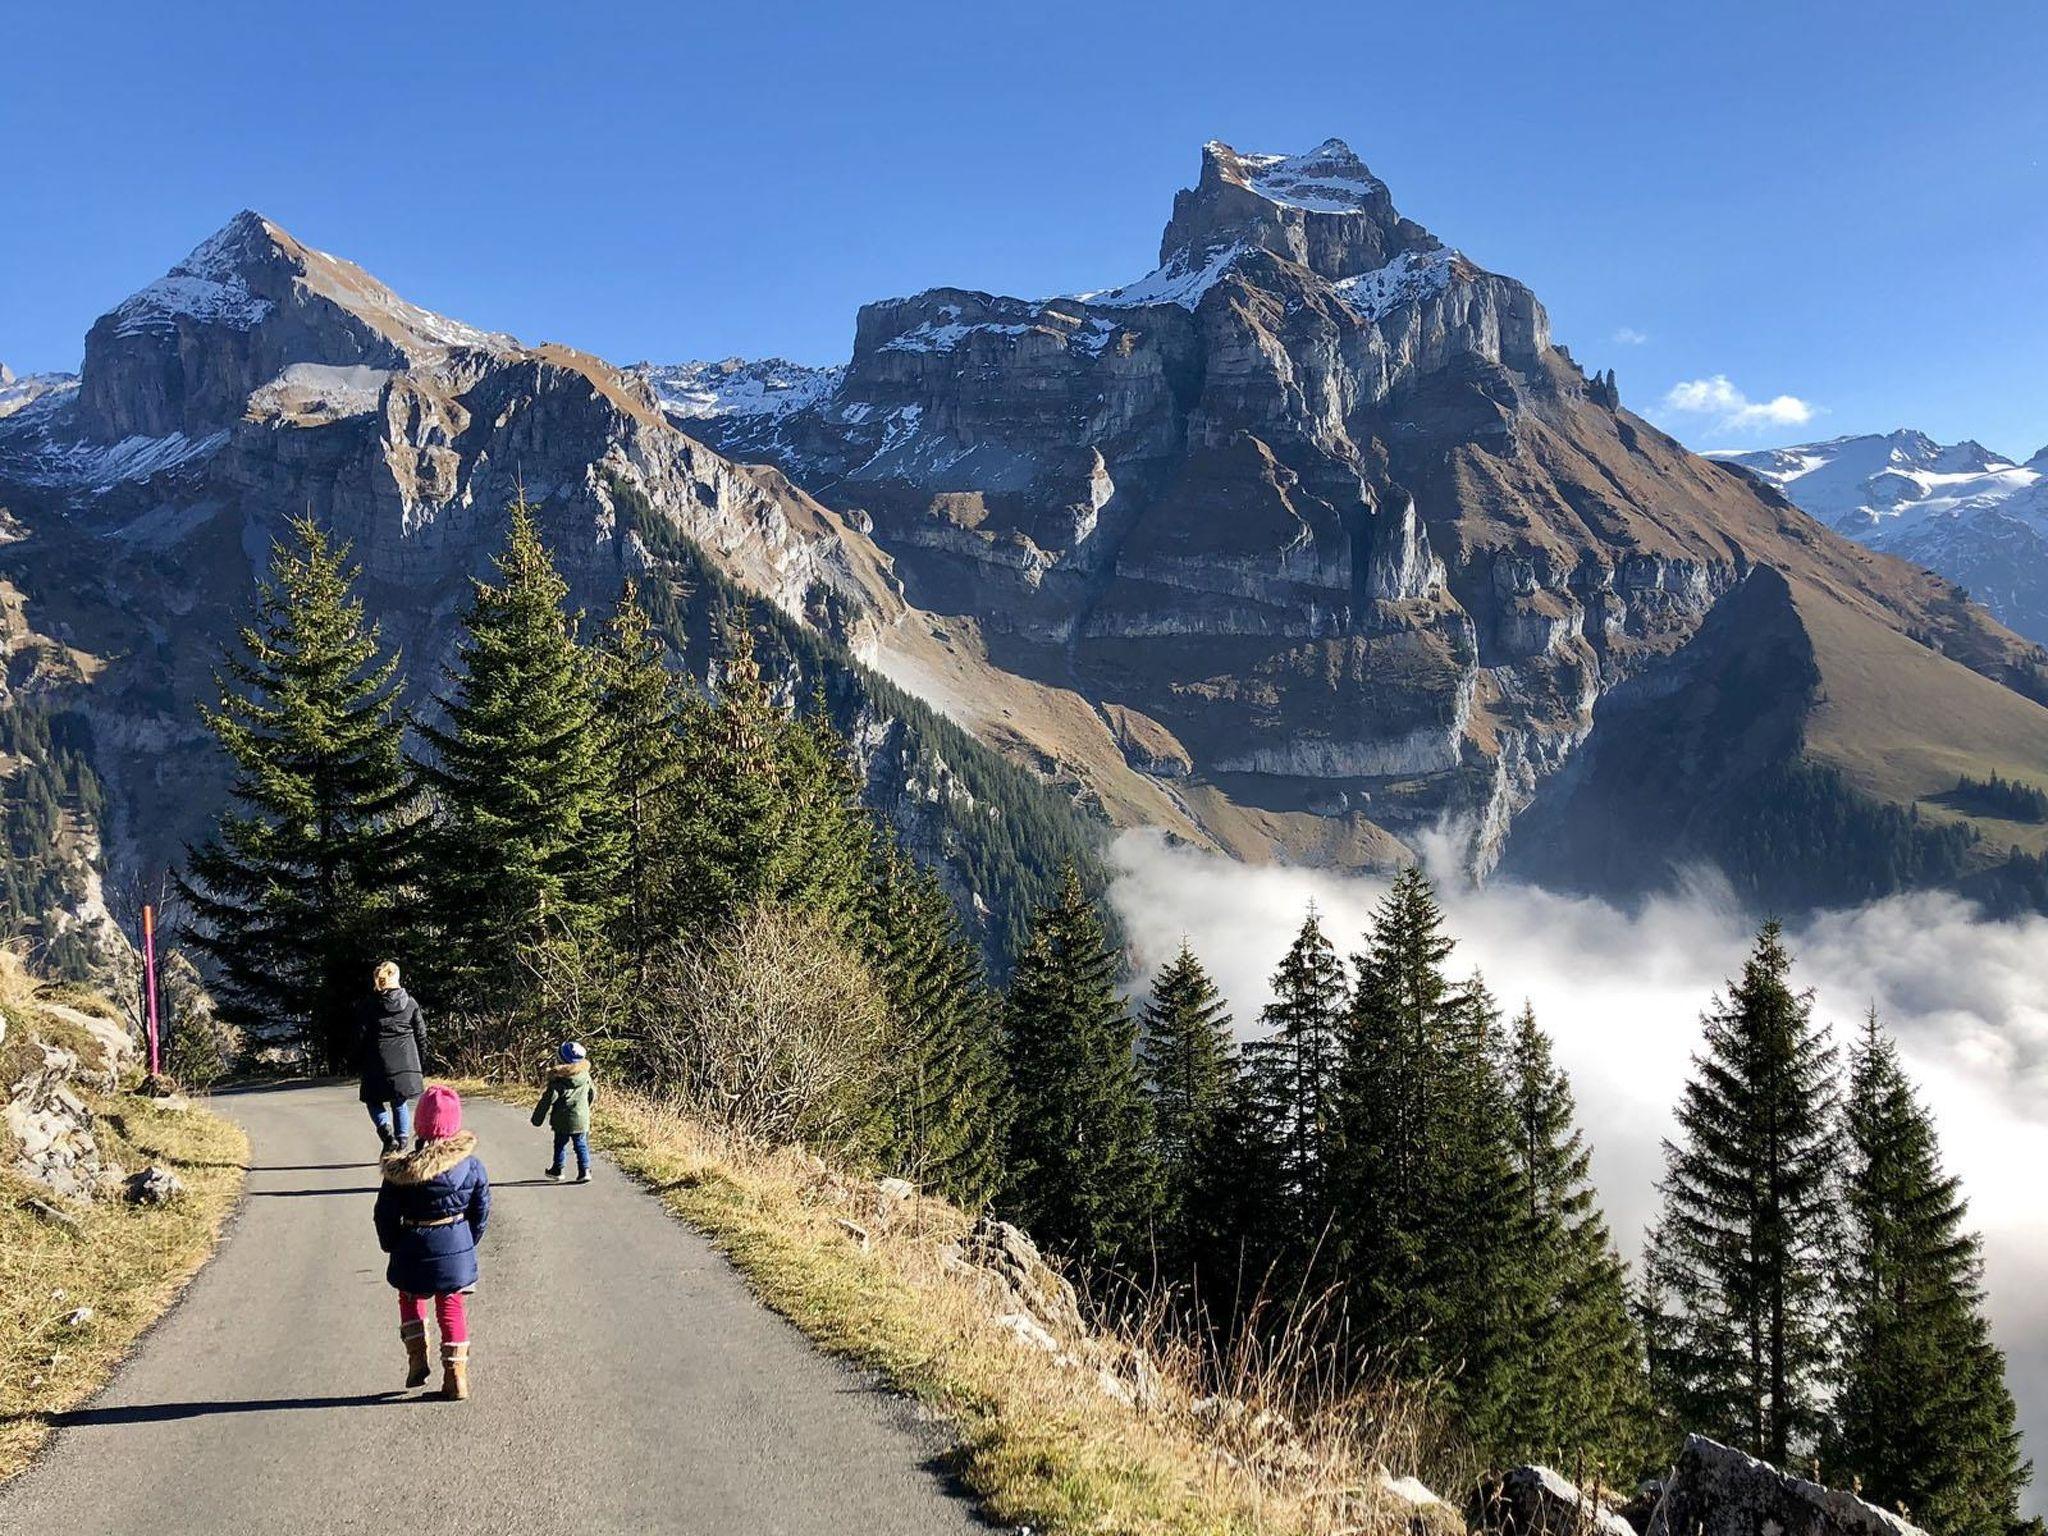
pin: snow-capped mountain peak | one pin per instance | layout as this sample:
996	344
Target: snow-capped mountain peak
1975	516
1327	179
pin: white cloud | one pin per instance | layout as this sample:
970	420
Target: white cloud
1730	409
1629	336
1621	994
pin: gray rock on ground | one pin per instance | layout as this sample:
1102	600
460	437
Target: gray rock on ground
1716	1491
153	1185
1538	1501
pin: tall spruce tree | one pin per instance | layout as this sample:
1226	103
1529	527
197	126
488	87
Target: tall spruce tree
529	849
942	1094
1188	1059
1744	1245
1923	1415
301	890
1470	1266
1294	1069
639	714
1403	1010
769	807
1588	1397
1080	1174
1428	1197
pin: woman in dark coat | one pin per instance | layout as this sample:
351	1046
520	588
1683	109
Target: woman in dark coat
392	1045
430	1214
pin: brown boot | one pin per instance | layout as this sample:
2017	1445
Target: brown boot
416	1368
455	1371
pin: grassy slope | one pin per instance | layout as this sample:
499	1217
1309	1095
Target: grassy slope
1038	1440
126	1263
1902	721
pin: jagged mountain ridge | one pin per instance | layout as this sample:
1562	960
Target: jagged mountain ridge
1309	542
1321	506
260	380
1974	516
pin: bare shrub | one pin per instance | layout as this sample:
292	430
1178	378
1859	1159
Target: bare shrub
770	1029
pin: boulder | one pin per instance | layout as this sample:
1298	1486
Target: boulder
154	1185
1537	1501
1716	1491
1032	1287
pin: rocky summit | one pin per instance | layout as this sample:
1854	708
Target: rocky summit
1310	542
1351	554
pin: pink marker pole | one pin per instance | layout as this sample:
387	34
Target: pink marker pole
149	984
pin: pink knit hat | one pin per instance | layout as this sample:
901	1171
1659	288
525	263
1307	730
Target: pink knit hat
439	1115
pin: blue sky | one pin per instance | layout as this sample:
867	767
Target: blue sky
1834	208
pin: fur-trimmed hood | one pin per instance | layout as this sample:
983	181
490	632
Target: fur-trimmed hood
568	1069
429	1160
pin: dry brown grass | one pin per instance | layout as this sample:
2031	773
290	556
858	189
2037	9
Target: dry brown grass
126	1263
1039	1437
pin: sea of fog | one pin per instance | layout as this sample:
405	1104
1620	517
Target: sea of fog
1621	992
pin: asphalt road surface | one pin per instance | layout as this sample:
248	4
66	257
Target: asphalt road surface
622	1377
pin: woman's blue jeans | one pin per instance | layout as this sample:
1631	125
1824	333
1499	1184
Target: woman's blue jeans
562	1140
393	1119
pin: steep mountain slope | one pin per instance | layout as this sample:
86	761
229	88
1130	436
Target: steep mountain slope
260	380
1957	508
1318	514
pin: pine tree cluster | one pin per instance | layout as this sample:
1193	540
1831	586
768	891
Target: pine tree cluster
575	815
582	822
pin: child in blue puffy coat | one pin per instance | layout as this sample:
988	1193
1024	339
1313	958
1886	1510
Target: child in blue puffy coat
431	1213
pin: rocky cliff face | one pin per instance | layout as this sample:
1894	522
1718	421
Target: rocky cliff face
260	380
1318	500
1310	541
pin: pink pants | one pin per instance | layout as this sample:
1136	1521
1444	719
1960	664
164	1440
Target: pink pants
451	1312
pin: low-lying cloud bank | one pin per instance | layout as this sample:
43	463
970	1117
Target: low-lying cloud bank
1621	993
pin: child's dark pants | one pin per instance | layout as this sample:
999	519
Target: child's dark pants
562	1140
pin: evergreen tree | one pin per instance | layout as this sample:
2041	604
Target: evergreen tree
529	850
1472	1270
942	1091
1427	1229
1295	1069
1743	1247
639	710
1588	1400
1080	1175
1187	1055
1923	1416
1241	1236
1403	1010
300	890
769	805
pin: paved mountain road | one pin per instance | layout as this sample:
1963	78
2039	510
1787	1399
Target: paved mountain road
623	1378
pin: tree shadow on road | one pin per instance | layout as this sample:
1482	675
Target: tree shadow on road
157	1413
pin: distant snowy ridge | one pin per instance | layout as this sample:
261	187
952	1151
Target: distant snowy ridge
766	387
1877	488
1973	515
18	391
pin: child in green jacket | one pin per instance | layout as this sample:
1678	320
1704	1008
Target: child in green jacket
565	1105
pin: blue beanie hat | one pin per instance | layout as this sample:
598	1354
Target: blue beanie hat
571	1051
